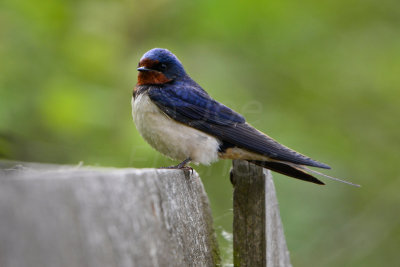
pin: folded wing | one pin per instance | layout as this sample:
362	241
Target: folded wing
193	107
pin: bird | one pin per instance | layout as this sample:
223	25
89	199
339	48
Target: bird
178	118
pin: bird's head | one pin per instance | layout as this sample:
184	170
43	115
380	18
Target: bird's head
159	66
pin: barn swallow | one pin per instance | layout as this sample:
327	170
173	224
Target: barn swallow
179	119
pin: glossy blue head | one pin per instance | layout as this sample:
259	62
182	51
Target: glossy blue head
159	66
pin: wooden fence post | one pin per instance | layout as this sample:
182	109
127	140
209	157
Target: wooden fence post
79	216
258	238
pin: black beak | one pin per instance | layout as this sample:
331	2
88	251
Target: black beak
143	69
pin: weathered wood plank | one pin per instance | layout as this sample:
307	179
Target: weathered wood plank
258	238
73	216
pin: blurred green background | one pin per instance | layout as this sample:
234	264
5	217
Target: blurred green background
322	77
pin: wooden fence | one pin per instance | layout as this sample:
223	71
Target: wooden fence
82	216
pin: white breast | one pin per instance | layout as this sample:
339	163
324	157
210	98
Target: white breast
172	138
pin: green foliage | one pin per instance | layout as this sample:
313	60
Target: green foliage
319	76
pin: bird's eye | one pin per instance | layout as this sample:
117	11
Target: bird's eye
163	67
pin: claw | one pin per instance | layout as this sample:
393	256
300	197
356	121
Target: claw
187	168
181	166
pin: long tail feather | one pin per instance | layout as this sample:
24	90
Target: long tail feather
289	170
329	177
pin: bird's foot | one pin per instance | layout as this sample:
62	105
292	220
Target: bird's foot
181	166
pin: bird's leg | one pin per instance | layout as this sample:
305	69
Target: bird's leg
181	165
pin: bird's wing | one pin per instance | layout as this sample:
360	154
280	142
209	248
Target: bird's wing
194	108
191	106
288	170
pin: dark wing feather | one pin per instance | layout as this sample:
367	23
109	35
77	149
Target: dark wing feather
287	170
245	136
191	106
195	108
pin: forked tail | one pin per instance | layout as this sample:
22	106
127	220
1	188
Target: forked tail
296	171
